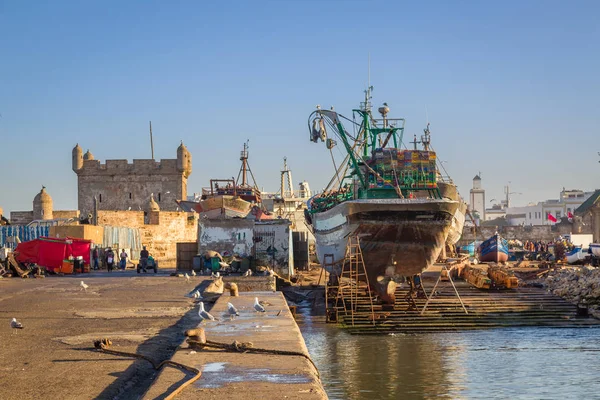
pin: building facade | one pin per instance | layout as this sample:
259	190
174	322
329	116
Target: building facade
120	185
477	199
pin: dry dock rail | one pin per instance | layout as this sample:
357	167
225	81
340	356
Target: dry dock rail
487	308
229	375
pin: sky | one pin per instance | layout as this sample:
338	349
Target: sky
511	89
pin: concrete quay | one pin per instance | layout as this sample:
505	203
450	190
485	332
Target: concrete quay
245	375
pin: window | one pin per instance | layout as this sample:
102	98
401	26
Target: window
100	198
130	196
557	214
529	215
159	197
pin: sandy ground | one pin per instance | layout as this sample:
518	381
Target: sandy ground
53	356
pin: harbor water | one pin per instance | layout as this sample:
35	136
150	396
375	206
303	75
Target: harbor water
513	363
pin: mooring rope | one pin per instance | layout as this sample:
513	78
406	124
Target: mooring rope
247	347
104	344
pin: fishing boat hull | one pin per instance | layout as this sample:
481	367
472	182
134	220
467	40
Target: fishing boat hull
495	249
219	207
595	247
398	237
575	256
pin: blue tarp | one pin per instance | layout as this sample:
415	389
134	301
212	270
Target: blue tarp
23	232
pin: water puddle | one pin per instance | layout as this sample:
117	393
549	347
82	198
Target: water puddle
215	375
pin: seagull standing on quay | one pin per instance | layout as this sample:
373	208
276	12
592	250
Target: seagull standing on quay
203	314
15	325
257	306
187	277
193	273
233	312
83	286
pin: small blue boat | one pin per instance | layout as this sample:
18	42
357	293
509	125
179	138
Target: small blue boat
495	249
576	255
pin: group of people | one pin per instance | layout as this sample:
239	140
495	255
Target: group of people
109	259
537	247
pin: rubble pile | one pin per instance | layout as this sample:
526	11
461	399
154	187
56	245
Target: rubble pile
578	285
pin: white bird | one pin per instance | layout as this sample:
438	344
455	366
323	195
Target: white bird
203	314
257	306
83	286
129	209
233	312
187	277
193	273
197	295
248	273
215	275
15	325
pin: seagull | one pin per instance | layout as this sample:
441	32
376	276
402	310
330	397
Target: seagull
15	325
233	312
248	273
257	306
203	314
83	286
193	273
197	294
215	275
187	277
129	209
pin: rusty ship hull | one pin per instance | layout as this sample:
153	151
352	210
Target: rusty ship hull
398	237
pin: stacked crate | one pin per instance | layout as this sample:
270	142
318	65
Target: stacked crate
412	168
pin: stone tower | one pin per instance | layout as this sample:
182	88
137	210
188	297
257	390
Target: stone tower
121	185
184	160
77	158
42	205
477	200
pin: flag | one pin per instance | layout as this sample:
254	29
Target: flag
569	215
551	217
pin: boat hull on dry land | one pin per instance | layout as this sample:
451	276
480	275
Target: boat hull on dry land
394	199
398	237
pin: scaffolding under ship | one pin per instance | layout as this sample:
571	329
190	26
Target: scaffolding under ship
395	200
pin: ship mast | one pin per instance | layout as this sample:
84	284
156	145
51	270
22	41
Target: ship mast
244	160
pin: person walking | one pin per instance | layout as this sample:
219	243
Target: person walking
110	259
123	260
95	258
144	254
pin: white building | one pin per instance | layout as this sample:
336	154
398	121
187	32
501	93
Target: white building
537	214
477	199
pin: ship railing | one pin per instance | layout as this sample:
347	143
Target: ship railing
445	179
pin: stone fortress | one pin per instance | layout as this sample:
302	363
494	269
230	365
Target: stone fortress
119	185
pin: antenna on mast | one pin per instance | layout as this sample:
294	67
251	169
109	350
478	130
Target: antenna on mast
151	143
366	106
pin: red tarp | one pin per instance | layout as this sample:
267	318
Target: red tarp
50	252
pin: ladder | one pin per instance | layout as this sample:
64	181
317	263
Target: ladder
353	286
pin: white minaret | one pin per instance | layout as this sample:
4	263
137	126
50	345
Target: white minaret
477	203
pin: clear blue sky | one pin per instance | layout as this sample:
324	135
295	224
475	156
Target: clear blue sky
511	88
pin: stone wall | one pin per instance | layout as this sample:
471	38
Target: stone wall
160	239
535	233
21	217
119	185
89	232
25	217
272	246
66	214
226	236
